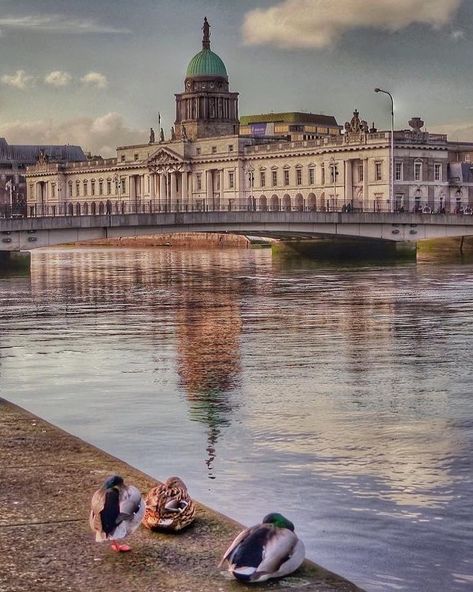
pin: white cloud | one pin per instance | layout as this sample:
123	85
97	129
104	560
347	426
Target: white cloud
20	79
95	79
100	135
319	23
461	131
58	78
457	35
56	23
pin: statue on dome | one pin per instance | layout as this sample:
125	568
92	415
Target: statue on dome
152	137
206	37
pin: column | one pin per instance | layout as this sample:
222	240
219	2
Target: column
209	189
184	190
222	179
162	190
173	190
348	181
366	204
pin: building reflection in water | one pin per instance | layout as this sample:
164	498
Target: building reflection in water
208	327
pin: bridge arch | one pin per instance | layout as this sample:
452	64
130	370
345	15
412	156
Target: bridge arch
286	203
263	203
274	203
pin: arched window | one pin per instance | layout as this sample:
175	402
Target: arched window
299	203
86	209
70	209
286	203
77	209
263	203
312	202
274	203
93	208
101	208
84	186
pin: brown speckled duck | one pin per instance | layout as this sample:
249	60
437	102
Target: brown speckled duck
169	507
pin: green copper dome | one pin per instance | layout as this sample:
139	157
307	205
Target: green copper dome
206	63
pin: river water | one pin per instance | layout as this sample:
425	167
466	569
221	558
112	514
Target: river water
339	396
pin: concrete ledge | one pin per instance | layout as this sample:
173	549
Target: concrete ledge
47	479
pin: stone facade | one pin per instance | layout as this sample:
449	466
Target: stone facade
208	165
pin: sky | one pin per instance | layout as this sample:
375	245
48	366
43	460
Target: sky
97	72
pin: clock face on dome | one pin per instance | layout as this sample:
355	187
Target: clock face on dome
189	84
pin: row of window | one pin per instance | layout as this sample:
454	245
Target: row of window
418	172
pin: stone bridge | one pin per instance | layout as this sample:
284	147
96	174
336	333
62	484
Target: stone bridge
31	233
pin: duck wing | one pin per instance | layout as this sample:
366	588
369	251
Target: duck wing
278	549
244	534
104	511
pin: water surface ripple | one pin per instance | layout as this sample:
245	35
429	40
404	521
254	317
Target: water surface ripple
341	397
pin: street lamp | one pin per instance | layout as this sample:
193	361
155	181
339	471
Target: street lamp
251	179
380	90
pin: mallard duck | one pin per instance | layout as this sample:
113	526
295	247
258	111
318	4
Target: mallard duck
169	506
117	511
268	550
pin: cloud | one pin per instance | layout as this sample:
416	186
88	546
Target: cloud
58	78
56	23
457	35
100	135
20	79
95	79
320	23
461	131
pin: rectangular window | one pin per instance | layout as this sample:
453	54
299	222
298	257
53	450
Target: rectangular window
53	190
123	186
123	158
197	151
230	148
311	176
360	172
417	171
198	181
333	173
274	178
437	171
262	179
378	173
77	188
92	187
286	177
136	156
100	187
322	172
398	171
231	180
214	149
109	187
85	187
299	176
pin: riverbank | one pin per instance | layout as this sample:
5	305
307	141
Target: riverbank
207	240
48	477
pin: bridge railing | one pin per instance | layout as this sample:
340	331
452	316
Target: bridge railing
152	206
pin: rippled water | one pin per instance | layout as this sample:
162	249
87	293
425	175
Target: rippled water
341	397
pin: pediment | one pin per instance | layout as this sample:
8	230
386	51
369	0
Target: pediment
165	156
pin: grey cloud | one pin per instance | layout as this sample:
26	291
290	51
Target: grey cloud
319	23
56	23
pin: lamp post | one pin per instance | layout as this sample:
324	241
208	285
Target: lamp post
251	179
333	171
9	186
391	179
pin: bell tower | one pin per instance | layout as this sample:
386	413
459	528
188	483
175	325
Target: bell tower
206	108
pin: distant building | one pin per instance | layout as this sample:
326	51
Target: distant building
276	161
293	125
13	162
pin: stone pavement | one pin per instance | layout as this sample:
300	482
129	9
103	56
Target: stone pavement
47	478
